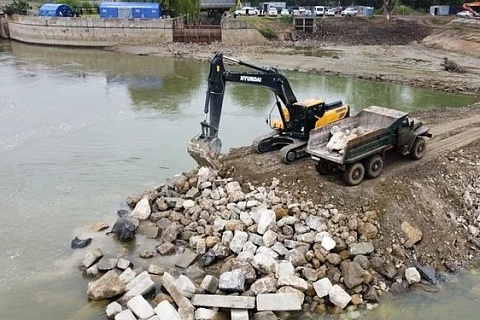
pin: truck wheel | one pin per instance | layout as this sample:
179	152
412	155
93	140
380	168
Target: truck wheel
354	173
418	149
374	166
323	167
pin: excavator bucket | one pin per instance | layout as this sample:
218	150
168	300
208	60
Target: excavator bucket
205	151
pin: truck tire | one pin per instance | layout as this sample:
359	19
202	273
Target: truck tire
418	149
374	166
323	167
354	173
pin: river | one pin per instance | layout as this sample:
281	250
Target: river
81	129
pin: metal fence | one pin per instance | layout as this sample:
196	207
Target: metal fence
197	33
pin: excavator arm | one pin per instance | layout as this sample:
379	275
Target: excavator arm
206	147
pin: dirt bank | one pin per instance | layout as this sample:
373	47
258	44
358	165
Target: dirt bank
408	51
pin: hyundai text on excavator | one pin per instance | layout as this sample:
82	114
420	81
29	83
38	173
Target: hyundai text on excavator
291	131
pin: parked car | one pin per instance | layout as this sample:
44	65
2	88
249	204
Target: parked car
307	12
272	12
246	11
350	11
464	14
331	12
284	12
319	11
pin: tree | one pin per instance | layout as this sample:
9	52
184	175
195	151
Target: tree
17	7
188	8
388	6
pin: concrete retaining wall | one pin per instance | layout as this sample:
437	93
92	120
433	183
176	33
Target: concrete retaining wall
89	32
235	31
97	32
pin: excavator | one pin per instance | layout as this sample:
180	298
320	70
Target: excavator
469	7
290	132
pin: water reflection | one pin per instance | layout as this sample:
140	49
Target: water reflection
82	129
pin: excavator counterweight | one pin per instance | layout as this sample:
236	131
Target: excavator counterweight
290	133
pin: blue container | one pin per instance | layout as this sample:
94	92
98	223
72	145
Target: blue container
130	10
369	12
55	10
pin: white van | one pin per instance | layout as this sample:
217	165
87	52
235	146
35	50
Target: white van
319	11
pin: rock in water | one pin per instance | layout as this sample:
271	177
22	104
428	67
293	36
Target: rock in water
124	229
79	243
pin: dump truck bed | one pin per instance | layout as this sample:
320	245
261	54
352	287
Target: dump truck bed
380	123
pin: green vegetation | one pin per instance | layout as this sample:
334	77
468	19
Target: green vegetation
268	33
17	7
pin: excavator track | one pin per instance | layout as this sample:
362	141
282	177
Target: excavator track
294	151
257	143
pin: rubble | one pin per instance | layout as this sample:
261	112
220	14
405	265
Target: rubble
313	256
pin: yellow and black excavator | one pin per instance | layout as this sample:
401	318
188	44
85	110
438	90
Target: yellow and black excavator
290	133
469	7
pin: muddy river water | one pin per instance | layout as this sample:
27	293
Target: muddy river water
80	130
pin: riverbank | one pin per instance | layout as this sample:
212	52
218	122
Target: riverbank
409	59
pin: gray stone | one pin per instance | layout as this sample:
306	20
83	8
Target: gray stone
140	285
353	274
209	284
316	223
232	302
264	285
412	275
91	257
244	266
267	250
113	309
165	311
186	259
127	275
339	297
192	193
238	241
264	218
269	238
427	272
186	313
154	269
297	256
142	209
297	293
148	231
105	264
108	286
205	314
123	264
279	248
310	274
278	302
170	233
185	286
293	281
264	263
322	287
361	248
328	243
265	315
140	307
168	282
125	315
284	268
239	314
233	281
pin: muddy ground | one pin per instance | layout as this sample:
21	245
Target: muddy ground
430	193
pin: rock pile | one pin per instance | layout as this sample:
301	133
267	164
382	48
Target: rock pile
263	250
340	138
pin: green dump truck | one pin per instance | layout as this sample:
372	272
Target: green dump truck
357	145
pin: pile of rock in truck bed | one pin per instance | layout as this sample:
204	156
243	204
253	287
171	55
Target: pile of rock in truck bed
246	251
